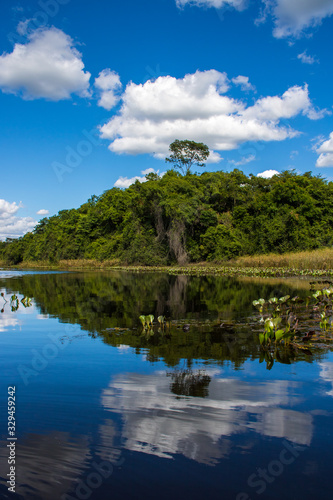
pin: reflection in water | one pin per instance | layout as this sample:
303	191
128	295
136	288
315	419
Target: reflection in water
158	422
230	419
218	310
327	374
189	383
6	322
47	465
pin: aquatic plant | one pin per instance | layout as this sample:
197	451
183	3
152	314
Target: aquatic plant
15	302
147	321
283	321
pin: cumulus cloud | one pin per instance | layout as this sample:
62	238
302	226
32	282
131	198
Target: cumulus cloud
325	151
294	101
47	66
11	225
108	84
291	18
196	108
125	182
42	211
244	83
237	4
306	58
267	174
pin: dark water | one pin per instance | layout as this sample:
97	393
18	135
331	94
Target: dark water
105	410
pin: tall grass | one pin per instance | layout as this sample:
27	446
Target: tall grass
315	259
87	264
307	260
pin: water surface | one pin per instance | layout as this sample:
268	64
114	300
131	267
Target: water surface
106	410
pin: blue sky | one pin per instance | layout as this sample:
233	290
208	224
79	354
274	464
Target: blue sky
92	93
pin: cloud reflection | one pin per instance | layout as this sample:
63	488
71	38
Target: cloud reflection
326	374
160	423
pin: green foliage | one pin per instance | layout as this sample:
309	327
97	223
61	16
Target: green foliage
280	316
214	216
185	154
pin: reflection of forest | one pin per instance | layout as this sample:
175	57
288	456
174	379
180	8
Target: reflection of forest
218	310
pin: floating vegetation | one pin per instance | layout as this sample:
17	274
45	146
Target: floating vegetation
14	302
147	321
293	321
228	271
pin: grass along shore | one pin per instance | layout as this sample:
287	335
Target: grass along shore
308	263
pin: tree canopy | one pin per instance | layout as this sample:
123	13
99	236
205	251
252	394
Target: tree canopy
185	154
174	218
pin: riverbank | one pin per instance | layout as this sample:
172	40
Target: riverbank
318	263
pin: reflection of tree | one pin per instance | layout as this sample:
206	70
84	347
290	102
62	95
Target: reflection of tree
217	309
157	422
189	383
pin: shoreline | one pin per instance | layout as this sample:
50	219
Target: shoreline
202	269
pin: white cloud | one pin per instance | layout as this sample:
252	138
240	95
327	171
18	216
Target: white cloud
325	151
237	4
291	18
243	161
125	182
8	209
12	226
306	58
108	83
244	83
294	101
42	211
267	174
156	113
47	66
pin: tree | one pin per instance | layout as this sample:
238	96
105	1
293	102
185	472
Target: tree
185	154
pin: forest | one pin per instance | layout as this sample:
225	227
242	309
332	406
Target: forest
211	216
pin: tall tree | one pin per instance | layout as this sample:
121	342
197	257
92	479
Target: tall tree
185	154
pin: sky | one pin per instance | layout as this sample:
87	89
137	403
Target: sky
93	93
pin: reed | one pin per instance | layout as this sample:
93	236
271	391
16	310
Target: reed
315	259
272	264
87	264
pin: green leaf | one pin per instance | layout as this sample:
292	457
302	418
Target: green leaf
284	299
279	335
276	321
142	319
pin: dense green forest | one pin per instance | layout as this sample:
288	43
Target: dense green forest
187	218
